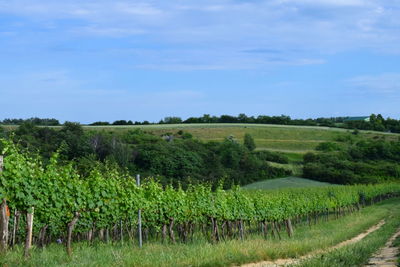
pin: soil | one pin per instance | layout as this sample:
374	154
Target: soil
386	256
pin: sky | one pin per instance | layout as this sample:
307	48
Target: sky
106	60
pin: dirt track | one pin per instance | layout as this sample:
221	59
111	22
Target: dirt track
387	256
285	262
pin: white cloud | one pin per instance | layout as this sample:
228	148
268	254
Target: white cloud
305	30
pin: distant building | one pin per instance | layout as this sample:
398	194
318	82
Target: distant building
364	118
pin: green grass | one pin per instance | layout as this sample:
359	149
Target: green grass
359	253
284	138
296	158
396	244
201	253
291	139
284	183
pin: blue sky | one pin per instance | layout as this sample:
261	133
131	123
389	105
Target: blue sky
144	60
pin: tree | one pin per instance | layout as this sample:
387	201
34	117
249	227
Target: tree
172	120
249	142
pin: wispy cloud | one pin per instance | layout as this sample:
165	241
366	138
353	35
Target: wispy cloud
386	83
298	29
340	3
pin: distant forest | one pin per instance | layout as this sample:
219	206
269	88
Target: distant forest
376	122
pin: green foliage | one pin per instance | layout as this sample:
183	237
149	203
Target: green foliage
179	160
287	182
171	120
364	162
34	121
327	147
249	142
105	196
272	156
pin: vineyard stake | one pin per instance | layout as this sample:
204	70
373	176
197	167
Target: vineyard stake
139	215
4	218
29	230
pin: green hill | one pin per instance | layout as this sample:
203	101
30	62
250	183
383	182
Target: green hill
288	182
284	138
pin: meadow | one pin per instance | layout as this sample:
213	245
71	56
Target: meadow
284	138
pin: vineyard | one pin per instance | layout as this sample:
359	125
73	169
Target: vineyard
59	205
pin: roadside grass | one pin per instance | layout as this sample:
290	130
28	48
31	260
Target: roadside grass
202	253
285	183
359	253
396	244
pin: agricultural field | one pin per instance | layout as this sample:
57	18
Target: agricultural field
254	249
284	138
85	212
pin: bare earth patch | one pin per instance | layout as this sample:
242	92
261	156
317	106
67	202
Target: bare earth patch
387	256
289	261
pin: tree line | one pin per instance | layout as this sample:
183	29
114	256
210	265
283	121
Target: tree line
376	122
362	162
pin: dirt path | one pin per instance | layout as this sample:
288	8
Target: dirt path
285	262
387	256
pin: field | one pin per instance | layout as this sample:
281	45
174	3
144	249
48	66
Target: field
197	227
287	182
290	139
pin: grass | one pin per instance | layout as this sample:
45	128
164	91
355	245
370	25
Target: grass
284	138
284	183
291	139
396	244
295	168
359	253
201	253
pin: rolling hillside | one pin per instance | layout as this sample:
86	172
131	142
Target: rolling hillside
284	138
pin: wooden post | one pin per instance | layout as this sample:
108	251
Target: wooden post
4	218
121	232
29	230
139	216
15	227
241	229
289	227
101	234
70	228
